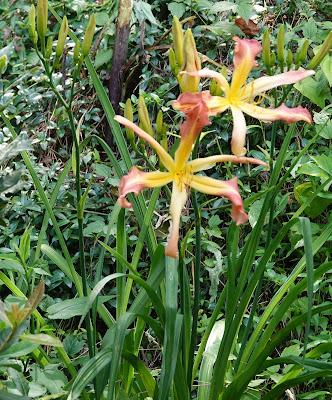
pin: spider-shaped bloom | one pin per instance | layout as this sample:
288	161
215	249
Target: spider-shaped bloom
181	173
240	96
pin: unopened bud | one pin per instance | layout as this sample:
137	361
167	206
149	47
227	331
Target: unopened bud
281	46
32	24
42	18
77	52
63	32
191	63
48	50
172	62
266	52
143	116
160	123
325	48
3	63
289	59
301	54
128	113
178	40
273	59
88	36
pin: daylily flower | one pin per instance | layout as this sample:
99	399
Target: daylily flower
181	173
240	96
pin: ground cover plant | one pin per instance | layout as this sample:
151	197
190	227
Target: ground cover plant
167	235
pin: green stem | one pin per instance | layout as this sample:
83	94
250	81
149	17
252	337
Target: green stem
197	277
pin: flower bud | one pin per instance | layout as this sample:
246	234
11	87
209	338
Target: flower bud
177	33
63	32
324	49
48	50
266	52
289	59
281	46
128	113
160	123
42	18
77	52
301	54
3	63
88	36
32	24
172	62
143	116
191	63
273	59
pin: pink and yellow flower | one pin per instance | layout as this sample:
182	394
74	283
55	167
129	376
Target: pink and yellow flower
240	96
181	173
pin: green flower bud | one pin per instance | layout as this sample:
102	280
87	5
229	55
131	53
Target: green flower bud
42	18
191	63
77	52
281	46
266	53
301	54
177	33
128	113
32	24
3	63
48	50
172	62
143	116
63	32
273	59
160	123
289	59
88	36
325	48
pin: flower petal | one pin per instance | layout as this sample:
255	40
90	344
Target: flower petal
282	113
245	53
228	189
196	109
239	132
178	201
202	164
137	180
265	83
165	158
208	73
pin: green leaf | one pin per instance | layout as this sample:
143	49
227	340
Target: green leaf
67	309
244	9
176	9
9	181
326	66
103	57
18	350
9	396
143	12
96	290
222	6
43	339
50	377
308	87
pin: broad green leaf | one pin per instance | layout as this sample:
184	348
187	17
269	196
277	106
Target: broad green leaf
326	66
43	339
176	9
67	308
308	87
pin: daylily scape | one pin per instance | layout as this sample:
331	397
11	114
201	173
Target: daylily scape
240	96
